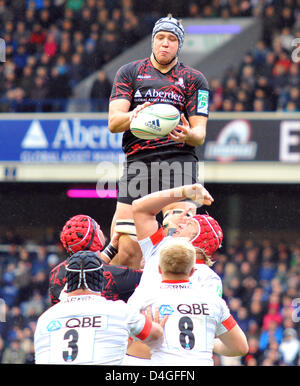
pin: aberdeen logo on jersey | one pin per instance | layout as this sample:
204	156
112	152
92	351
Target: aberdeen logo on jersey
154	125
164	95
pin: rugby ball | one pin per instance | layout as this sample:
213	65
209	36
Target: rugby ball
155	121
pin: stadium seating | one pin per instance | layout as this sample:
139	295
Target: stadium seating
52	46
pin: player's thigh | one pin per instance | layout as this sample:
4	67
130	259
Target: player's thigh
123	211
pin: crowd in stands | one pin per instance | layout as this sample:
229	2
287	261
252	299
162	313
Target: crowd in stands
52	45
261	283
268	79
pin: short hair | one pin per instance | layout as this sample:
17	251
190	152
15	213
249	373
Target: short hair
177	256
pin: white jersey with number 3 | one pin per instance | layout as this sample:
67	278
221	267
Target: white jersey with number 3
195	318
87	329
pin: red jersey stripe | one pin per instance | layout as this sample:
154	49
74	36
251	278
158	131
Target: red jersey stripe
229	323
175	281
157	236
145	331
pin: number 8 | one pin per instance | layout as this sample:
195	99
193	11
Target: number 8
186	337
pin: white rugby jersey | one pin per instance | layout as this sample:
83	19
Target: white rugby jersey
195	318
203	276
87	329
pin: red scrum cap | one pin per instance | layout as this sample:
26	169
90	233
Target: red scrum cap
81	232
209	237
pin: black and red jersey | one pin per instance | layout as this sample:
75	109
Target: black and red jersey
119	282
183	87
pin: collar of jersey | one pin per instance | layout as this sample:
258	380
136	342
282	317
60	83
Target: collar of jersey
175	281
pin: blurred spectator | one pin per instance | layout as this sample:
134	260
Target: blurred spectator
230	89
266	272
254	355
37	39
39	92
260	53
243	319
272	333
216	94
35	306
100	92
14	354
50	46
39	262
289	347
27	80
270	22
273	315
58	88
22	280
286	37
256	311
75	5
77	69
271	356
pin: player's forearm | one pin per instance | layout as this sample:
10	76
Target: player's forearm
119	121
196	136
154	202
221	349
232	343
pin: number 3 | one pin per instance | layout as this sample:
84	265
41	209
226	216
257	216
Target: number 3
186	337
72	336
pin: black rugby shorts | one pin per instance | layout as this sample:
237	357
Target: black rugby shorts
140	178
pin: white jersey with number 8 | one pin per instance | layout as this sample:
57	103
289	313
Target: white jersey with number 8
195	318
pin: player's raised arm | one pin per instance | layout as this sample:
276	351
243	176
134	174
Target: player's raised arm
146	208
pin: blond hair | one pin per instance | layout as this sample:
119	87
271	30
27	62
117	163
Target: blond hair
208	261
177	256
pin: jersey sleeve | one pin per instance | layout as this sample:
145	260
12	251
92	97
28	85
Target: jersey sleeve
226	320
139	325
123	84
149	244
198	95
126	281
57	281
215	285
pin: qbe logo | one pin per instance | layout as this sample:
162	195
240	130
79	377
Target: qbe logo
2	50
